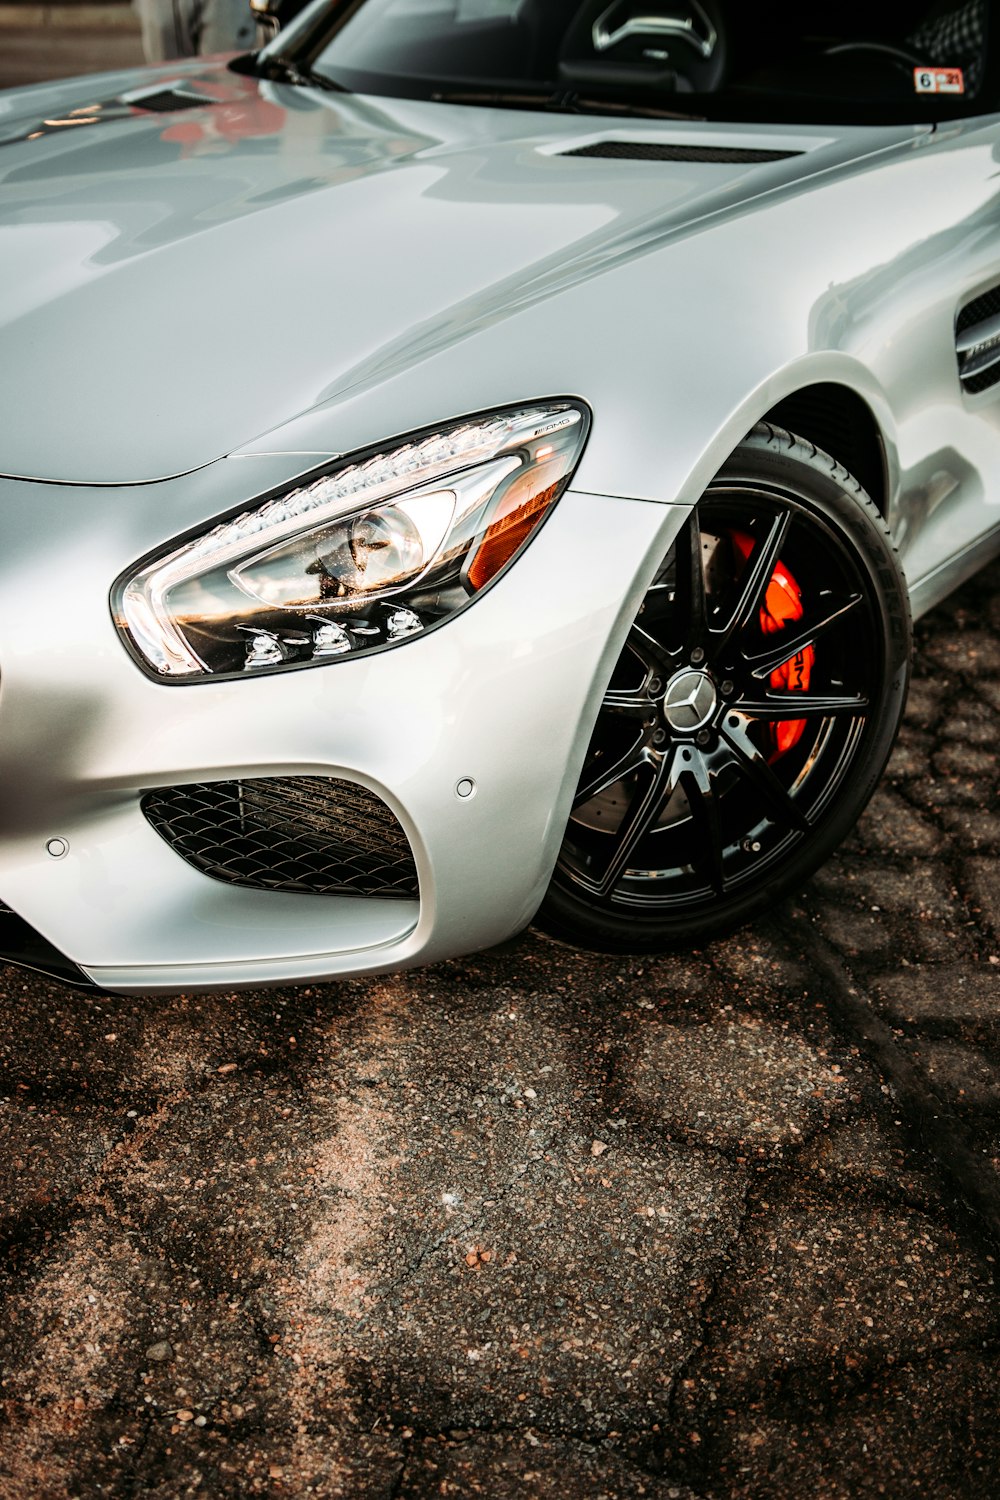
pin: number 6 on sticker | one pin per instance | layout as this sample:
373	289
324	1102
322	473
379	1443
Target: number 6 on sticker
939	80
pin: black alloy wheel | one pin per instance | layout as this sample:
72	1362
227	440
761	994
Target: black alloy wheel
750	714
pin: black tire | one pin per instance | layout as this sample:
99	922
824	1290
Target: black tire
738	742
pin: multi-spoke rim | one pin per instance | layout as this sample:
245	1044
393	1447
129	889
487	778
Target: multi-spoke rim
683	797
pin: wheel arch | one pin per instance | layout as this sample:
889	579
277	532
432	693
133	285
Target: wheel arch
835	418
829	399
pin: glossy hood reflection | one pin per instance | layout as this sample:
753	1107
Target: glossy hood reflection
189	258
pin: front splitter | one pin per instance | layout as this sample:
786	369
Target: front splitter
20	944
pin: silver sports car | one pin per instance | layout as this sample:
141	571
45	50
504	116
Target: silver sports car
474	461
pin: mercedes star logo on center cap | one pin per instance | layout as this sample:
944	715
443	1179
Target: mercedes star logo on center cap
689	701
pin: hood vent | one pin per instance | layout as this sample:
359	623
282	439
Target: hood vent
977	341
165	100
651	151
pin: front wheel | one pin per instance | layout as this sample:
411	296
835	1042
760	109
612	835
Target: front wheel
750	714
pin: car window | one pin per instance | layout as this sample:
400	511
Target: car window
737	59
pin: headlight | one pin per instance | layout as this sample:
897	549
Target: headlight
359	559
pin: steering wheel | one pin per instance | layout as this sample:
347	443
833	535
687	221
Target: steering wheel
904	58
675	44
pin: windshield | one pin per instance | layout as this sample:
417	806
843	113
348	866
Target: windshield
849	63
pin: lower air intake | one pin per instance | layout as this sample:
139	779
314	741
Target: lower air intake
296	833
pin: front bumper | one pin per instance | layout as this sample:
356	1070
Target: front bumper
505	695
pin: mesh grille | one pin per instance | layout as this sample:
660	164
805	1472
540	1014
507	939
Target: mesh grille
647	151
296	833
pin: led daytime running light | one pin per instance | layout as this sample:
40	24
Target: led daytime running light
385	475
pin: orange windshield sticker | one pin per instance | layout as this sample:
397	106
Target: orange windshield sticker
939	80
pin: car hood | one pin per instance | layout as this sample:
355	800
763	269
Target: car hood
189	258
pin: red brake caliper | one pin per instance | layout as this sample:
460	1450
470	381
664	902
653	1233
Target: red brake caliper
782	606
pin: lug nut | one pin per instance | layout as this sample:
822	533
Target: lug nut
660	737
655	686
697	655
727	688
702	737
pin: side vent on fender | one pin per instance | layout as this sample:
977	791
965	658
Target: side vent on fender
977	341
653	151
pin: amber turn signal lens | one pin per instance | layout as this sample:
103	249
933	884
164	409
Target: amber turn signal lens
518	513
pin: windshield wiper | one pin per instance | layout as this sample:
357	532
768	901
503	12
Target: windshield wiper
596	101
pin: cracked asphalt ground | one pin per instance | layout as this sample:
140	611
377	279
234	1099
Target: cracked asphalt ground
542	1223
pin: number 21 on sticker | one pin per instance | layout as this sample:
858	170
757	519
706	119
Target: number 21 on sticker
939	80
